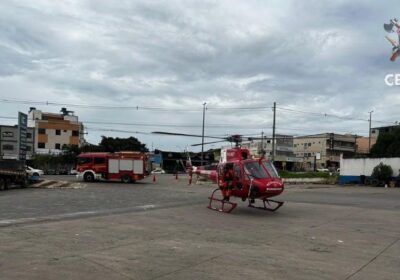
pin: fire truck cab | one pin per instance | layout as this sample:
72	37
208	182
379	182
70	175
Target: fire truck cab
121	166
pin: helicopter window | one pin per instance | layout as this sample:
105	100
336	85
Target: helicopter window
236	169
253	169
270	169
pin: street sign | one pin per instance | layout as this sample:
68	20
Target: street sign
22	128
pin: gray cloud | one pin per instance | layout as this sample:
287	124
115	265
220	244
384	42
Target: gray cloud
319	56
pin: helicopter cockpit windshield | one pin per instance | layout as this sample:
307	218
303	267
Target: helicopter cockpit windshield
270	169
255	171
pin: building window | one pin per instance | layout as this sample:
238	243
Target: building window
41	145
58	146
75	133
58	132
42	131
28	135
8	147
8	134
28	148
309	144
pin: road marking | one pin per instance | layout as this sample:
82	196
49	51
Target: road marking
145	207
8	222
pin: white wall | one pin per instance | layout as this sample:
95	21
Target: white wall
365	166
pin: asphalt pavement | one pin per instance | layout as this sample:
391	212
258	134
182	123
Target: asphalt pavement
162	230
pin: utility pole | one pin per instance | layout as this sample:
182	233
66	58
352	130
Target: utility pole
273	133
262	143
355	144
369	133
202	135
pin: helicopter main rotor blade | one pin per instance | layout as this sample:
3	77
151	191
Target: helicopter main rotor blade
184	134
209	143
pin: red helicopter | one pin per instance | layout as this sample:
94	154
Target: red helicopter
240	175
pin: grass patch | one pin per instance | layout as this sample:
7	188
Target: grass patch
288	174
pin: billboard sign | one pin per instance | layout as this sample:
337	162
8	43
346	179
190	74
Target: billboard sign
22	128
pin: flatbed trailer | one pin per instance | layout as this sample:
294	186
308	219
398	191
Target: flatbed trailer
12	172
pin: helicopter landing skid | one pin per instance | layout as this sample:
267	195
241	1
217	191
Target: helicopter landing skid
267	205
230	205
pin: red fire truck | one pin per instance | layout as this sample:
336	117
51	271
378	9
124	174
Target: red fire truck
121	166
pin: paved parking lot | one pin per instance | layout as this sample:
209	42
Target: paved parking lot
163	230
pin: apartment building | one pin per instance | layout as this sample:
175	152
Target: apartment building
53	131
375	131
9	142
323	150
284	155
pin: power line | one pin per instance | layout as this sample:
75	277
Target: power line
331	115
180	109
321	114
188	125
119	107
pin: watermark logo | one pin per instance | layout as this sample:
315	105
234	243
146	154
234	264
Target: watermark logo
393	27
392	79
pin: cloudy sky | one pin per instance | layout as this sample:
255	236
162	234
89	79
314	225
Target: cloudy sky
169	57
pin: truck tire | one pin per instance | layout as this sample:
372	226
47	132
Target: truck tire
88	177
24	182
2	184
7	182
125	179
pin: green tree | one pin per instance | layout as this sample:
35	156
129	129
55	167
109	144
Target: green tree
387	144
70	152
382	172
110	144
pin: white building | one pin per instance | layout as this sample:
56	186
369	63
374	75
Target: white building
53	131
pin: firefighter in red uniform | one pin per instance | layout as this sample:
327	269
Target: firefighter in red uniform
228	183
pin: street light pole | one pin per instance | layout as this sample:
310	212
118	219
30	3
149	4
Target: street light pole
273	133
369	137
202	135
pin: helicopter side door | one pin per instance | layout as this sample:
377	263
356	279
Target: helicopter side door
239	189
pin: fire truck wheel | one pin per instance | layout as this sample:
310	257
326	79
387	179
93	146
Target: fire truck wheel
2	184
125	179
88	177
